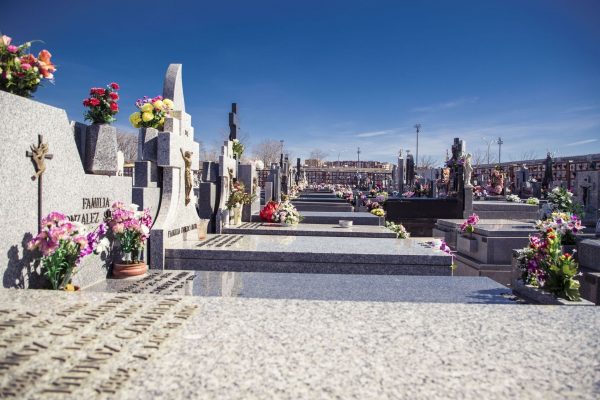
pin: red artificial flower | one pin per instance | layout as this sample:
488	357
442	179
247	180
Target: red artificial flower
86	102
114	106
115	86
94	102
100	91
114	96
266	214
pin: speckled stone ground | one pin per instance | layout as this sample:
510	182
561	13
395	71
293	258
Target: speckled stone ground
289	349
233	348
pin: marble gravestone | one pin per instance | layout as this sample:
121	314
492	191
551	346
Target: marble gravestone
400	172
248	176
227	173
210	190
65	187
275	178
177	158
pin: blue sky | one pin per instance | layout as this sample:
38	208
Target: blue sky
336	75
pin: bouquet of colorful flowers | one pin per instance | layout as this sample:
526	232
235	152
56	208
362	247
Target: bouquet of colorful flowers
102	104
566	225
479	193
443	247
286	213
513	198
378	212
131	227
469	225
63	245
267	212
533	201
152	112
401	232
20	71
561	200
543	264
283	212
238	148
238	195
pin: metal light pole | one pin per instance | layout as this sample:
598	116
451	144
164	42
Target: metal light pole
500	143
418	128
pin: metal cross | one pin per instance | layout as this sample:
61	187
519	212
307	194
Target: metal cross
39	154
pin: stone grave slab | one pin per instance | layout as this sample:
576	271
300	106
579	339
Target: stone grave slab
81	346
504	209
310	254
65	187
322	206
177	156
318	336
331	287
447	228
332	218
302	229
337	287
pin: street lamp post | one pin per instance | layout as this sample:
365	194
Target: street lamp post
418	128
500	143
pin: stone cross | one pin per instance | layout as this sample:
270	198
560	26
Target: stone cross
233	122
39	154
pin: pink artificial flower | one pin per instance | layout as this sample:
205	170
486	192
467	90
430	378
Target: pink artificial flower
114	96
12	49
26	66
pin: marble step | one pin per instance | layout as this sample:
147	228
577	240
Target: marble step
310	254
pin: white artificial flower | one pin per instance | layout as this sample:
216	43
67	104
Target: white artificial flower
102	246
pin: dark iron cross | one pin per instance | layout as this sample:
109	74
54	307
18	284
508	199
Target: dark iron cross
39	154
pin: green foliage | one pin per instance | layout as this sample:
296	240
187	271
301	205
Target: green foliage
58	267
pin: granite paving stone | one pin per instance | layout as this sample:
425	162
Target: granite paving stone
339	287
302	229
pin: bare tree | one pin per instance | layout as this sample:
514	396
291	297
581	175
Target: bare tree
528	155
427	162
268	151
480	157
127	142
319	155
208	153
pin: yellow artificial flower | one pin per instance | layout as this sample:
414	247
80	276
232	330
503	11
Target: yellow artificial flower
158	104
147	107
147	116
162	121
135	118
168	103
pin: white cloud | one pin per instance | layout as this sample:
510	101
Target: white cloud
582	142
374	133
447	105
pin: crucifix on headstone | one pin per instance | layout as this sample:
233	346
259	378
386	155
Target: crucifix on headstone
233	122
39	154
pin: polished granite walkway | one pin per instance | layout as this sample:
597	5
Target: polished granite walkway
335	287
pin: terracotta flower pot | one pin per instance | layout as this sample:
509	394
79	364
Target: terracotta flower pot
128	270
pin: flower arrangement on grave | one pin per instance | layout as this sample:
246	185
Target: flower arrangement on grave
561	200
372	193
238	149
131	227
567	225
401	232
513	198
443	246
238	196
152	112
479	193
267	212
533	201
293	192
102	104
469	225
544	265
63	244
20	71
378	212
283	212
259	164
